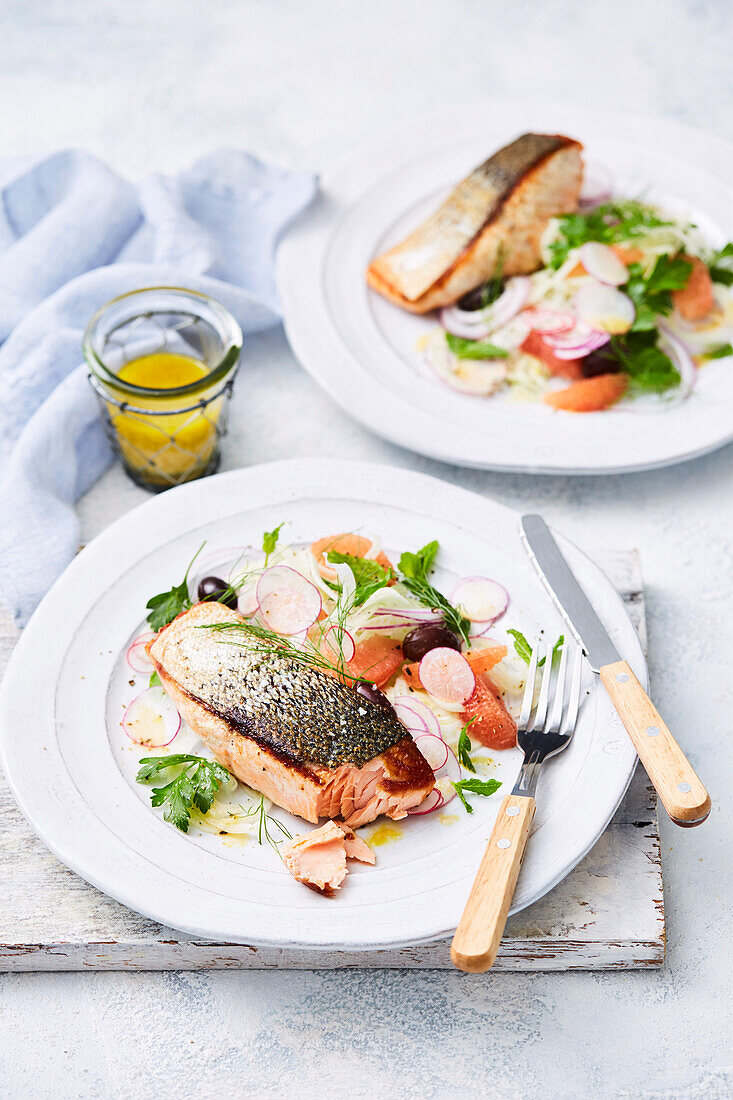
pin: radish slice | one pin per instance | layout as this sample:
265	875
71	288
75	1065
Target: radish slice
447	676
481	600
550	322
288	603
476	377
450	770
136	656
434	749
604	308
415	715
151	719
433	802
247	602
346	650
602	263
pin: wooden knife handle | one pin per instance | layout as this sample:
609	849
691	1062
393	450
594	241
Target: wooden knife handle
678	786
481	927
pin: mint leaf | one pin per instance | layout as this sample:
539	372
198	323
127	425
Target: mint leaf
721	351
270	539
154	680
521	646
464	748
369	575
484	787
474	349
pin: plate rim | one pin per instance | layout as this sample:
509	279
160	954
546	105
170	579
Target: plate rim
24	651
307	246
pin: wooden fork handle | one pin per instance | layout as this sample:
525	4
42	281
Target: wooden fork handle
481	927
678	786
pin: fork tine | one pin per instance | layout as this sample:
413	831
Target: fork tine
541	711
554	720
574	701
528	698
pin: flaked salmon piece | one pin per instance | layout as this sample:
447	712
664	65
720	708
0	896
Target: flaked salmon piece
262	720
500	210
356	848
318	859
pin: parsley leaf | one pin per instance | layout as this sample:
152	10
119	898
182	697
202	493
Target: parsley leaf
721	351
649	369
652	294
164	607
475	786
464	748
610	223
195	785
369	575
473	349
414	569
269	541
721	266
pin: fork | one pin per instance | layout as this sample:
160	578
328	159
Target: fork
481	926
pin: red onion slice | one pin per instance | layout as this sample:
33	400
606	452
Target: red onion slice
550	322
447	676
481	599
415	715
433	802
136	656
151	719
288	603
681	358
452	320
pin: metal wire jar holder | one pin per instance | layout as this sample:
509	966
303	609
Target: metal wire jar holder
164	436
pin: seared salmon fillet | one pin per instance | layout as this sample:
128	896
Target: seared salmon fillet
498	212
310	743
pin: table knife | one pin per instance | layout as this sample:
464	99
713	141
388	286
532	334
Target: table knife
678	786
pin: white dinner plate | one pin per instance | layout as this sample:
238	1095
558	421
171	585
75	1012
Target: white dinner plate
362	349
72	768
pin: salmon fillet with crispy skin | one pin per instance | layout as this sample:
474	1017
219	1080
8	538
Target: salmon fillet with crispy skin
308	742
499	212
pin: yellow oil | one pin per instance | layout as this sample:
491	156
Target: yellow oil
166	448
383	834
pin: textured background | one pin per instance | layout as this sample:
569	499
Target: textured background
151	85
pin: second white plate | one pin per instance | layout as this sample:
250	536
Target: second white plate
361	349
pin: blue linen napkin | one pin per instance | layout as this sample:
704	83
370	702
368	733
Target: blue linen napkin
73	234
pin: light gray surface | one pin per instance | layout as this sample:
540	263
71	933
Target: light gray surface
150	85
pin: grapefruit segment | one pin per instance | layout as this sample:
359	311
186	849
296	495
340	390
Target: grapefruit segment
493	726
535	345
590	394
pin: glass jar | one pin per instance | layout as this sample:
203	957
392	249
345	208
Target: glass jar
162	364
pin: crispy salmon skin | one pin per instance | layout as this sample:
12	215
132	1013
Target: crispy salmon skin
310	743
499	211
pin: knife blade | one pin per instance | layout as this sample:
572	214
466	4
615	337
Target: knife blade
678	786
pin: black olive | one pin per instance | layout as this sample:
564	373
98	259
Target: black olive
215	590
373	694
601	361
474	299
427	636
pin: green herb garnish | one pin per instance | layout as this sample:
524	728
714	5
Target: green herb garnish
464	748
154	680
652	293
610	223
721	351
269	541
721	266
414	570
164	607
524	650
369	575
194	786
474	349
264	820
475	786
648	368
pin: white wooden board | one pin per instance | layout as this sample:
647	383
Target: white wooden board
608	914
